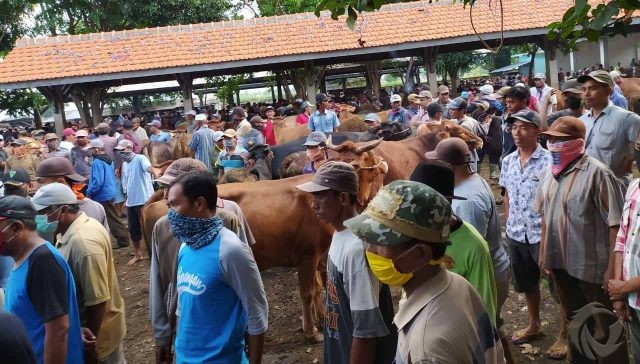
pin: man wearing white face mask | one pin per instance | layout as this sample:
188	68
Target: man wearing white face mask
316	151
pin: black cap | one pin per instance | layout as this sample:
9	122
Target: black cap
321	97
16	177
16	207
127	124
437	175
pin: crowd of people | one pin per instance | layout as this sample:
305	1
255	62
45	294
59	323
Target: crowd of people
567	193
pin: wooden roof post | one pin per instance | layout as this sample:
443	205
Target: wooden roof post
56	95
310	81
551	63
185	80
430	55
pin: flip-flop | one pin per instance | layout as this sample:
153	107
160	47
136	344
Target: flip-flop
557	352
522	336
135	260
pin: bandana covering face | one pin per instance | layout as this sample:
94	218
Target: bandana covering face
564	153
127	156
193	231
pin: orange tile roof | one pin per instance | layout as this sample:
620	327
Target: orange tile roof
153	51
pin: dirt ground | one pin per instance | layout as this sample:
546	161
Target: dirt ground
284	341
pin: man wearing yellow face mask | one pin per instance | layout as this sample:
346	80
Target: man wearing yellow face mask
406	230
358	325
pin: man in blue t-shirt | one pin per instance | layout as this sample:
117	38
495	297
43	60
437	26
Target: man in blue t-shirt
41	291
220	292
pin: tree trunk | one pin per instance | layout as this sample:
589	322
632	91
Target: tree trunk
37	118
454	82
80	99
297	77
532	54
97	106
285	85
136	102
373	70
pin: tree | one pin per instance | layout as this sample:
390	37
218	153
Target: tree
453	64
24	102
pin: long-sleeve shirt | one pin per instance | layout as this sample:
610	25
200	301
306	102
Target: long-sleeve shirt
102	182
202	143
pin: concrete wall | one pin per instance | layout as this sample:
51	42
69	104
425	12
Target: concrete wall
618	49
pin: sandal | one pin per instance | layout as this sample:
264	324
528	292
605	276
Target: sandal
522	336
557	352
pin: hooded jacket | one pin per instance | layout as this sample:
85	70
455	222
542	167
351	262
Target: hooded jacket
102	181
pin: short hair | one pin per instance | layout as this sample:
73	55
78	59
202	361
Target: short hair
198	184
102	131
29	224
353	199
518	92
11	190
433	109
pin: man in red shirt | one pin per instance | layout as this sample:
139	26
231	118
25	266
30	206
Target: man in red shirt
303	117
267	131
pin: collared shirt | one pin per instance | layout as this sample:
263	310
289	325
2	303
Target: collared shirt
81	160
324	122
141	135
619	100
87	248
524	223
540	93
136	181
611	138
578	209
59	152
449	306
161	137
628	239
202	143
401	116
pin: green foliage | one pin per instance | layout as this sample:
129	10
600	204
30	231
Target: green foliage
227	86
22	102
281	7
11	25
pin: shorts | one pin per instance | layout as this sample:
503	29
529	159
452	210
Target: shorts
135	222
524	265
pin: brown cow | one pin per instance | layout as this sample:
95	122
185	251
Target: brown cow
285	133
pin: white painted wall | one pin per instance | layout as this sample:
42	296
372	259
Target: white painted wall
619	49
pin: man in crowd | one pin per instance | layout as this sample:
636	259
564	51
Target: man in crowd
85	244
203	140
157	135
414	105
227	299
81	155
540	91
359	308
129	134
406	242
267	129
41	290
136	184
3	153
251	133
231	157
397	113
519	177
316	151
68	139
303	117
109	142
102	189
164	255
580	200
16	182
422	116
616	97
216	123
572	93
372	120
516	100
611	132
443	100
53	146
458	113
237	115
323	119
22	159
139	132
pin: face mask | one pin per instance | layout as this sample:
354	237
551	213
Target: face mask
46	229
574	103
384	269
563	153
315	154
228	143
127	156
193	231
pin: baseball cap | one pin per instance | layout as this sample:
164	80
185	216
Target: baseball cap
82	133
336	176
433	108
519	84
567	126
465	95
217	135
19	142
315	138
572	86
443	90
216	116
403	211
539	76
526	116
103	127
484	105
16	177
413	98
395	98
615	74
124	143
305	104
191	112
501	92
53	194
58	166
598	76
237	111
50	136
178	167
155	123
229	133
321	97
96	144
457	103
256	119
201	117
127	124
425	94
372	117
451	150
437	175
269	108
486	89
16	207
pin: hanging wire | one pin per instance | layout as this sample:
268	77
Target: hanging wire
484	43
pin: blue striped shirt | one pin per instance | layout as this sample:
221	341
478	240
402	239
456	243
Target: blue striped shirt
324	122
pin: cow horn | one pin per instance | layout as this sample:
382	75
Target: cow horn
367	147
330	144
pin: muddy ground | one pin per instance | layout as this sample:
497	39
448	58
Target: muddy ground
284	341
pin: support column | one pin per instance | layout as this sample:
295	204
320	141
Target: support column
56	95
185	80
273	94
551	64
238	97
572	63
279	87
323	86
310	81
603	46
430	55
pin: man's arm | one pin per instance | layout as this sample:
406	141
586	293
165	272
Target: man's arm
94	283
362	350
505	204
55	340
162	330
256	347
94	316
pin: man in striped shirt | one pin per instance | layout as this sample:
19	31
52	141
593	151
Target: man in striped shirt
580	200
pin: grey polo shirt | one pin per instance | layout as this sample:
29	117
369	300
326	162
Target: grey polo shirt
611	138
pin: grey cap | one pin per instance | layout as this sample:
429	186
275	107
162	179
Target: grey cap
321	97
336	176
95	143
457	103
527	116
572	86
16	207
372	117
599	76
53	194
315	138
305	104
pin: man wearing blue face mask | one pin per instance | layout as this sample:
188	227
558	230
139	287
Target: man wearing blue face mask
406	231
220	292
231	157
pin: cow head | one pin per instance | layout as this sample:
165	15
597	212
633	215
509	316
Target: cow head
370	167
433	133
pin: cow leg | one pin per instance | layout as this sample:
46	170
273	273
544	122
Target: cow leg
310	294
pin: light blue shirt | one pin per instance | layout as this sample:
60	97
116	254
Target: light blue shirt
202	143
160	138
324	122
136	181
619	100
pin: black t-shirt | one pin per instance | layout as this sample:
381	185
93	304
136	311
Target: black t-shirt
46	285
14	344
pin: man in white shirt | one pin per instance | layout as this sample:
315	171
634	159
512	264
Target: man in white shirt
541	89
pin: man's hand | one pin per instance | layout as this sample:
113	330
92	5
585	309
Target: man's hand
622	311
117	172
164	355
608	276
615	289
88	339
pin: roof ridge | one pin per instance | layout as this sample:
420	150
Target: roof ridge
225	24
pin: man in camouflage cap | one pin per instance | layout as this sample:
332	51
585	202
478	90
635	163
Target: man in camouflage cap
406	230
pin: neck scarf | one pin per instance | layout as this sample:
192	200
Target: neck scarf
77	190
563	153
193	231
